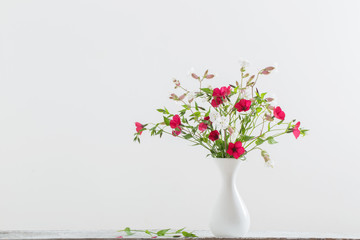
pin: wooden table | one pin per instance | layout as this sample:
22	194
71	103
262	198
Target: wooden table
204	235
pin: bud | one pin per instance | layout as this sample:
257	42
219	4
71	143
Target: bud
206	72
271	108
268	117
195	76
265	155
182	97
210	76
246	75
174	96
177	83
250	84
267	70
231	131
269	99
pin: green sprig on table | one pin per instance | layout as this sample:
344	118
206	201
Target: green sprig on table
161	233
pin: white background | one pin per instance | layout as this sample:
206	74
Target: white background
76	75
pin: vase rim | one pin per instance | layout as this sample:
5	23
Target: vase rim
239	159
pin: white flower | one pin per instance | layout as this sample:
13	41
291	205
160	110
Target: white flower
270	163
246	93
214	116
191	96
204	99
243	63
221	123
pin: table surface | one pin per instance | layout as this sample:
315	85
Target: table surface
114	234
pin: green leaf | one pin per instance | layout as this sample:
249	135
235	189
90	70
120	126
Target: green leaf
280	122
271	140
259	141
269	126
187	234
182	112
147	232
166	121
166	111
188	136
303	132
245	138
187	107
196	107
258	109
180	230
128	231
176	236
207	90
160	110
162	232
263	95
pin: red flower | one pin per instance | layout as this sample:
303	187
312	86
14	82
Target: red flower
119	237
207	118
278	113
235	149
176	131
216	102
243	105
223	92
202	127
214	135
217	92
139	126
296	130
175	122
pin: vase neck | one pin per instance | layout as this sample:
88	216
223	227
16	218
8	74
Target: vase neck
228	168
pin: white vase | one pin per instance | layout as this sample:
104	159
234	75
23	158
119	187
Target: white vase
230	217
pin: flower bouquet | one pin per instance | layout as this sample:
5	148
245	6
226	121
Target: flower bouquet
229	122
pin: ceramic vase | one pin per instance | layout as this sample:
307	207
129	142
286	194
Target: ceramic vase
230	217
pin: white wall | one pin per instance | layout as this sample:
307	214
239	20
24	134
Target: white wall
76	75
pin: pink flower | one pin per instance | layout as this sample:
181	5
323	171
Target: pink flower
139	127
214	135
175	122
279	114
296	130
235	149
243	105
176	131
202	127
216	102
231	131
